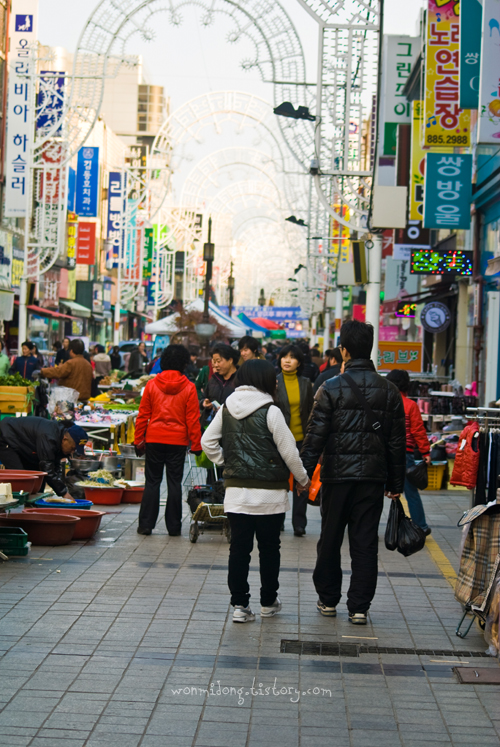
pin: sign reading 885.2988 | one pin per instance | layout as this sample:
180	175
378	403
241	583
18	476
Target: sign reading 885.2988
445	123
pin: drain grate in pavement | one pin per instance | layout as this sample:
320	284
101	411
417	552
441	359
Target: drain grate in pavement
324	648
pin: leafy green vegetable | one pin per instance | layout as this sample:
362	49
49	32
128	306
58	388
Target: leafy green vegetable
15	380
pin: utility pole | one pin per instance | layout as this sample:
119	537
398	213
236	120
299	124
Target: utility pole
230	285
373	290
208	257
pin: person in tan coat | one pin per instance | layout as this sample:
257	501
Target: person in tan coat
76	373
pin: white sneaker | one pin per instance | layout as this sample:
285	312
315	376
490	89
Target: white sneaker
243	614
272	610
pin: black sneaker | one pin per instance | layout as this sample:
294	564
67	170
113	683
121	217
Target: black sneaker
299	532
326	611
358	618
143	530
427	531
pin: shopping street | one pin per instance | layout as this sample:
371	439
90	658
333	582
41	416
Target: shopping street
127	640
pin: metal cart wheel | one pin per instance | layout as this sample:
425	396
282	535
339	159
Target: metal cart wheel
227	530
194	531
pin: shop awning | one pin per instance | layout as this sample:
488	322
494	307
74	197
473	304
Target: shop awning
251	325
41	311
98	317
76	308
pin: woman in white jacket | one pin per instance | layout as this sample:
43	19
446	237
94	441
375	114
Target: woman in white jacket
250	437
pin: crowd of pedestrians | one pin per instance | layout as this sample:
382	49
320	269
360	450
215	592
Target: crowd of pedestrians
266	416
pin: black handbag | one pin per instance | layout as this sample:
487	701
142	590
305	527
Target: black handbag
417	474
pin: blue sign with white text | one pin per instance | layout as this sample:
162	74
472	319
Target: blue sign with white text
87	182
471	17
447	190
276	313
116	209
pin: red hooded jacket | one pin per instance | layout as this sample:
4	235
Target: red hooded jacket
416	435
169	412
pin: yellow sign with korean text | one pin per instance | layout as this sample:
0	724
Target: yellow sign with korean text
417	167
445	123
407	355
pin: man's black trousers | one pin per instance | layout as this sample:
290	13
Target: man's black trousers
266	528
357	505
159	457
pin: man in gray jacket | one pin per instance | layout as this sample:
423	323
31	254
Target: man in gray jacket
357	425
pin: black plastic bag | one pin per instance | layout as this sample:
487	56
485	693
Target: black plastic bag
411	538
396	513
417	475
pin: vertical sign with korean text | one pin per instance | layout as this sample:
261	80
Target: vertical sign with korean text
148	253
417	164
20	125
489	92
85	247
399	54
72	232
87	182
448	190
445	123
116	210
471	16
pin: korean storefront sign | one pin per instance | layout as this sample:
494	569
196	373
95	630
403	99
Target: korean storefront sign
20	125
85	247
489	92
417	163
72	232
409	238
445	123
116	210
471	14
87	182
17	266
448	190
399	54
407	355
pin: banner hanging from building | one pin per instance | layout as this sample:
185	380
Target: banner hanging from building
448	190
471	16
50	103
398	55
489	92
20	125
87	182
417	163
116	211
445	123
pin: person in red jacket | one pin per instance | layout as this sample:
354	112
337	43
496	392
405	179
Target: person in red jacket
416	437
168	421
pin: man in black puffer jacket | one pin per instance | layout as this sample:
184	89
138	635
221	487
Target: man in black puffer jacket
359	462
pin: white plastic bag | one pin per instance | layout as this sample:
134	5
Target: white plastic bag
62	401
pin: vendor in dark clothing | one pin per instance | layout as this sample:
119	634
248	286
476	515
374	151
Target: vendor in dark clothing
39	444
27	362
221	383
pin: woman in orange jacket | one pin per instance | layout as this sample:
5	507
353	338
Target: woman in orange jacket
416	437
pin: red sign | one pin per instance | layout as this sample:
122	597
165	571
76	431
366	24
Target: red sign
387	242
359	312
85	247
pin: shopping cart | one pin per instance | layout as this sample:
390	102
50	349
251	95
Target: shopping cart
206	502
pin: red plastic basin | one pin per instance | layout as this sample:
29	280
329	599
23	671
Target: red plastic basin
133	495
89	523
6	475
43	529
104	496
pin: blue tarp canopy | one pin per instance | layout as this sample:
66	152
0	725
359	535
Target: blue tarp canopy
251	325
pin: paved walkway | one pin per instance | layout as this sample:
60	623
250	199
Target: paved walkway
127	641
